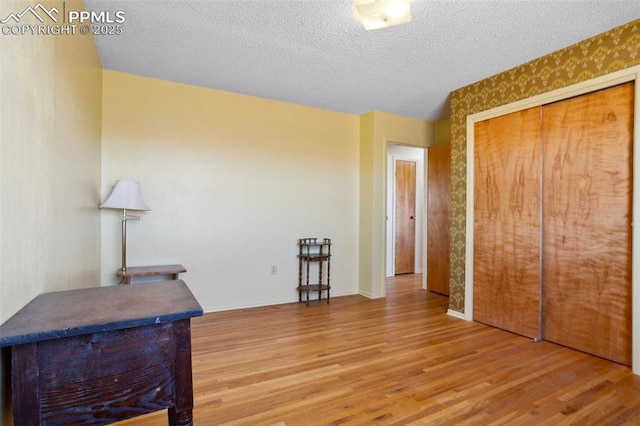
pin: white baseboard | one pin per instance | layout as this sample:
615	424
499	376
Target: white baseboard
456	314
266	303
246	305
370	295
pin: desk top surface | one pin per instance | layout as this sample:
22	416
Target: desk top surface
98	309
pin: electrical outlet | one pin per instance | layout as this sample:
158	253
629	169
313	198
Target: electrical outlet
274	269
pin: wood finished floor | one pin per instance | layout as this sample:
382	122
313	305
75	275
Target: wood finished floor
394	361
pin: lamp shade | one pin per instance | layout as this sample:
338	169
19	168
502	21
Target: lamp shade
125	195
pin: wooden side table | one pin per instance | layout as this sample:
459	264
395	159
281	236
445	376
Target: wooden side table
102	354
149	271
311	250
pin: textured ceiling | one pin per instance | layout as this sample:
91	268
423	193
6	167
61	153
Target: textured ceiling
313	52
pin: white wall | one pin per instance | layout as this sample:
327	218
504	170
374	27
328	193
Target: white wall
50	123
399	152
233	181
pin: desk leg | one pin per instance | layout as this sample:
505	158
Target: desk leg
26	391
182	413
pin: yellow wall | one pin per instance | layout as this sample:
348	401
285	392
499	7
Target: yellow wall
597	56
442	132
50	118
376	130
49	164
233	181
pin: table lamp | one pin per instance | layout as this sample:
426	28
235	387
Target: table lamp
126	195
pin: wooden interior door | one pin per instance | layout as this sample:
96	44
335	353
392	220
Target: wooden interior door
405	230
587	222
438	212
506	260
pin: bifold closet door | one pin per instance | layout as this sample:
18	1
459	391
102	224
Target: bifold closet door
587	175
506	290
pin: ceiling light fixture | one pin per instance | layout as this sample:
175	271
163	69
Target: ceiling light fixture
375	14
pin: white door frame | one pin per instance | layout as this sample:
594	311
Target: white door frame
613	79
420	239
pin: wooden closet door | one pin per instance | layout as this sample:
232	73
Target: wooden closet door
438	212
587	143
506	289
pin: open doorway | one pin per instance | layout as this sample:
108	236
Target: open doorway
403	159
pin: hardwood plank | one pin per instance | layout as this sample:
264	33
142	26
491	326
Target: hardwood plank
399	360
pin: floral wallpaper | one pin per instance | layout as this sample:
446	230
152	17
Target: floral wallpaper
603	54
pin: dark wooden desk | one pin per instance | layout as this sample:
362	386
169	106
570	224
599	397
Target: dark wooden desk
98	355
171	271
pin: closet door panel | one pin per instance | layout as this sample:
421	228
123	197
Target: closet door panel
587	144
507	229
